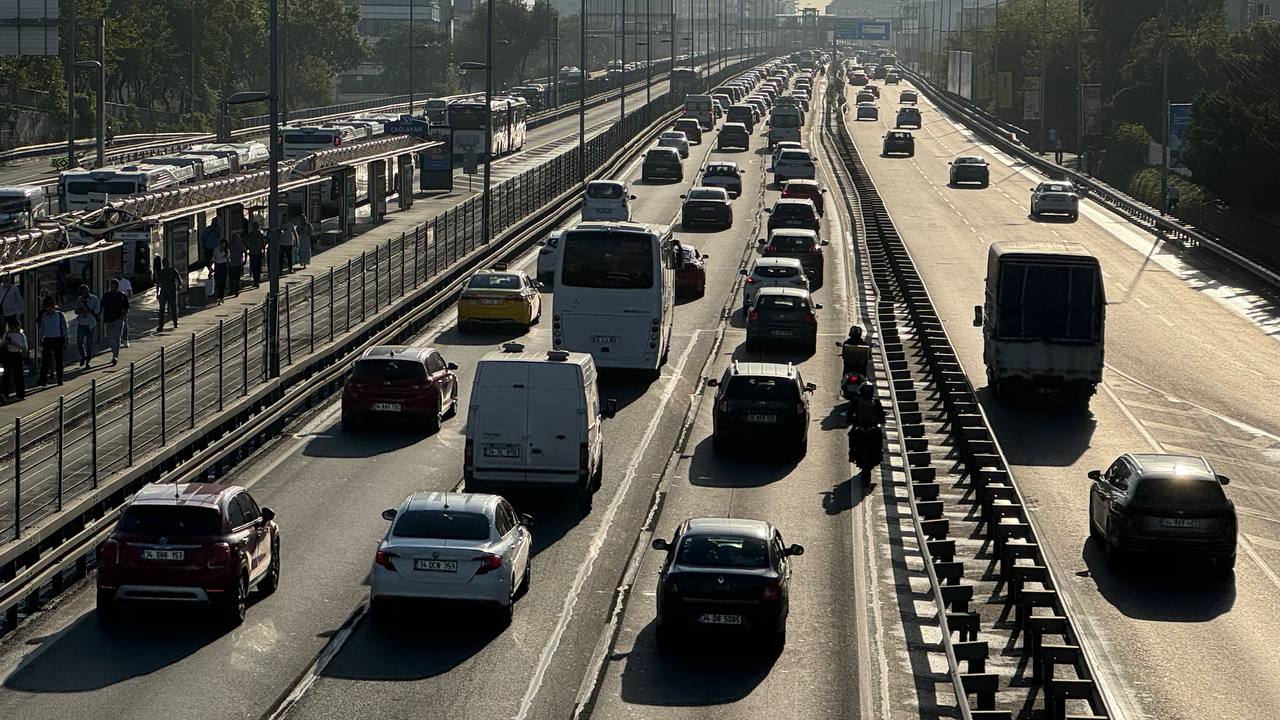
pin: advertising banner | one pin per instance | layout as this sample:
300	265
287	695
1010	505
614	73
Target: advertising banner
1031	98
1091	102
1179	121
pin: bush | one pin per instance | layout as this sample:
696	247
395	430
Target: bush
1126	153
1144	187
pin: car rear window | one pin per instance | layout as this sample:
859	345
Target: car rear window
604	191
165	520
791	243
489	281
385	369
441	525
795	156
776	271
723	551
721	171
781	302
790	210
1177	493
707	194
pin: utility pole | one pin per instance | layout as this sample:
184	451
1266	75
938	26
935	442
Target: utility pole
273	195
1079	82
1164	110
102	92
70	70
622	77
486	228
582	94
411	4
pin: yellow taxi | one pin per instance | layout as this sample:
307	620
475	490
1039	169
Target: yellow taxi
499	297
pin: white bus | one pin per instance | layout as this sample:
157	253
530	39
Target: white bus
91	189
247	155
615	293
302	140
23	206
466	124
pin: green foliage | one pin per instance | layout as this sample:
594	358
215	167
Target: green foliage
1144	186
1126	153
435	70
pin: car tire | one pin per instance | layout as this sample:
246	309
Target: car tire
1074	216
452	412
597	478
812	347
108	608
433	421
526	578
585	498
235	602
801	448
778	639
1094	531
271	581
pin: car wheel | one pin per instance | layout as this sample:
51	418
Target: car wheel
778	639
236	602
1094	531
108	608
452	412
585	497
271	581
802	447
526	578
597	478
813	346
433	421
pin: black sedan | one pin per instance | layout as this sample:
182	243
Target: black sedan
1163	503
725	573
970	168
706	206
899	141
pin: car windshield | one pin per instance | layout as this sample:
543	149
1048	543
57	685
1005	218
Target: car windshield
706	194
604	191
723	551
441	525
495	281
168	520
776	271
388	369
1177	493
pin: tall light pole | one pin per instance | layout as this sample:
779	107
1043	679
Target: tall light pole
100	107
1164	109
622	76
582	94
411	47
273	194
70	72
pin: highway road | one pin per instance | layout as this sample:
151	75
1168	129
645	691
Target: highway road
1191	355
310	647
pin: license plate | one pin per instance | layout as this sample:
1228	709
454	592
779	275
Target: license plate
386	407
1179	522
717	619
449	566
490	301
163	554
782	333
761	418
502	451
604	339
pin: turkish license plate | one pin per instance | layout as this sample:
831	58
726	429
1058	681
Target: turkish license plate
164	554
604	339
782	333
718	619
510	450
1179	522
449	566
386	407
490	301
761	418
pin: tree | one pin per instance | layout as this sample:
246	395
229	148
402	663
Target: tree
518	31
435	70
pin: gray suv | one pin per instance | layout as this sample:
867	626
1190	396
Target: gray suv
662	162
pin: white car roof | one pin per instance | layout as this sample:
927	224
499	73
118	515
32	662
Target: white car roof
777	262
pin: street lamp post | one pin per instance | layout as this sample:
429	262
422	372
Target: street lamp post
274	220
622	76
582	94
100	107
648	70
488	123
411	48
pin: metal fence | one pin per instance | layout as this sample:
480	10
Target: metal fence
55	454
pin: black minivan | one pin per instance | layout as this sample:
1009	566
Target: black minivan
742	114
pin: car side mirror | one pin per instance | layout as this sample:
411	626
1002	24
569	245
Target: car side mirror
1095	475
682	197
454	366
824	242
977	316
633	197
768	210
610	407
389	514
810	387
713	382
526	519
742	271
795	550
268	514
814	158
706	257
949	162
823	190
660	544
1221	478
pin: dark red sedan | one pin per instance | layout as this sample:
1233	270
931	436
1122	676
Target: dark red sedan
691	273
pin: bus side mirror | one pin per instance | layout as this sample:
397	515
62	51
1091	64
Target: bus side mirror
977	316
1095	475
1224	479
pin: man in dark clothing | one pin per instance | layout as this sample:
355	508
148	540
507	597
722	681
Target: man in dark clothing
115	309
53	340
167	284
257	242
866	433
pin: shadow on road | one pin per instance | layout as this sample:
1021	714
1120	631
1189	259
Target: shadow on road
1039	435
1160	589
412	647
373	439
711	670
741	465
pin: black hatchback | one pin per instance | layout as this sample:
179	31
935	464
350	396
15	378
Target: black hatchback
761	401
725	573
1163	503
793	213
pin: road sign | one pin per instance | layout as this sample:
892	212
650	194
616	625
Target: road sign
1031	98
1179	122
862	29
409	125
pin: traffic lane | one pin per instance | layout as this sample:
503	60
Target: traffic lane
1150	623
810	501
553	634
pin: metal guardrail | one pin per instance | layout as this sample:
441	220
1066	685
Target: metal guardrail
922	366
83	455
1138	213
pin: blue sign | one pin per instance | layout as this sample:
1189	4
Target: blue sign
873	30
846	30
408	125
438	158
1179	122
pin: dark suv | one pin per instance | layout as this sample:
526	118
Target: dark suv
783	315
909	116
899	141
196	542
793	213
662	162
762	401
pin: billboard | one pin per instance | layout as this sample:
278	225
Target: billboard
1091	106
862	29
28	27
1179	121
960	73
1031	98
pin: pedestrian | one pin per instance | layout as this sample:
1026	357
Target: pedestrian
53	340
220	271
305	232
13	349
257	244
1057	150
210	239
1171	196
11	303
235	264
167	284
126	287
115	313
88	310
287	235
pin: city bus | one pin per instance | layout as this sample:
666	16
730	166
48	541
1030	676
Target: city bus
467	125
615	293
91	189
686	80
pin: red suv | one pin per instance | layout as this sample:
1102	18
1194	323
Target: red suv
395	381
196	542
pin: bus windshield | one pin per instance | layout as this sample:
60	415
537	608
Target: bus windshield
618	261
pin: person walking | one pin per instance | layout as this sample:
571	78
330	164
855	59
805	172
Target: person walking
53	340
167	284
115	313
288	235
210	239
13	349
305	231
220	271
235	264
11	303
88	310
1057	150
126	287
257	245
1171	196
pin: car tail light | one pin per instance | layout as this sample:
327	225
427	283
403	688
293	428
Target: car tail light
219	555
488	563
753	315
809	318
772	591
771	248
385	558
108	552
852	378
337	140
751	280
469	454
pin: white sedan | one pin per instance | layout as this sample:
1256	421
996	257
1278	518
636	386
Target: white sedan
1055	196
675	139
452	546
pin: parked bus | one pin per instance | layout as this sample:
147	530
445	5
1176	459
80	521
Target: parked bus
467	125
615	293
301	140
92	189
686	80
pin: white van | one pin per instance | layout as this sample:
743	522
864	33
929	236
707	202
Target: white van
534	421
607	200
784	123
701	108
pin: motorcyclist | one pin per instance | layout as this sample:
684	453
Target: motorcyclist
855	352
866	431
